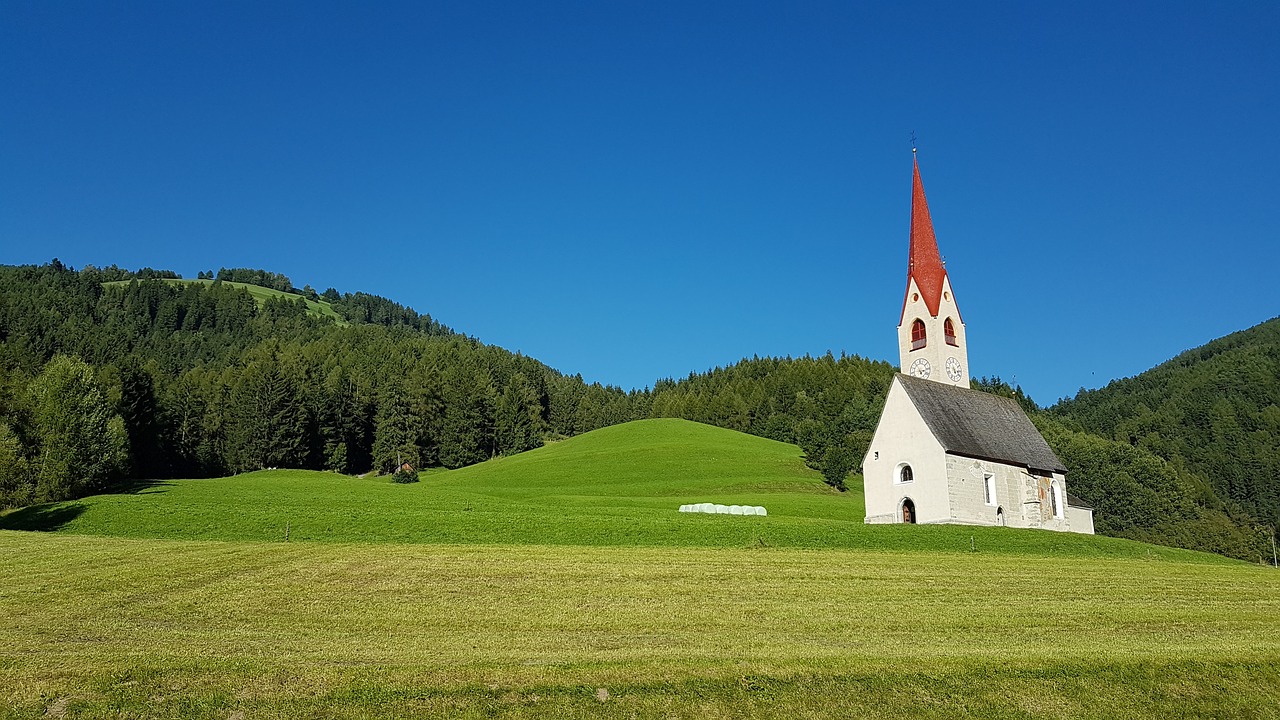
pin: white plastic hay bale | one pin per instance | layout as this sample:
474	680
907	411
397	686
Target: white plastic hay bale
718	509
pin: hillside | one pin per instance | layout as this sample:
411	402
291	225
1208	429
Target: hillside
155	377
620	485
318	308
1214	410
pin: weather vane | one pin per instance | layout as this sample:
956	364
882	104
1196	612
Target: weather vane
913	142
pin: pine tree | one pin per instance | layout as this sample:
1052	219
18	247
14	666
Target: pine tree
518	422
138	410
268	425
467	431
396	428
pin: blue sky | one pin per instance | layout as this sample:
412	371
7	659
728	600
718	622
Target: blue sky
633	191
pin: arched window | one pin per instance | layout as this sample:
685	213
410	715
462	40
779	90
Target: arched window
949	332
904	474
1055	499
908	511
918	339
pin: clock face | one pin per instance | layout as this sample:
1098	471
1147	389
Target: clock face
920	368
953	369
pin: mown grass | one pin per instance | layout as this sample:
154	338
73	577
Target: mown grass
563	583
261	294
620	485
165	628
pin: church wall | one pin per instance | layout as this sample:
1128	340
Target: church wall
1024	497
966	480
1064	523
1080	520
902	437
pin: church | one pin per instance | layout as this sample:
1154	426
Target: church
942	452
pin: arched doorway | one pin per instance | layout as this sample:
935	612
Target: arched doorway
1000	516
908	511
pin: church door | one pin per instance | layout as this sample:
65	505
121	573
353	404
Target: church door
908	511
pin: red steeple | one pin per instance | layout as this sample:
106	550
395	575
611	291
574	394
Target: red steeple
924	263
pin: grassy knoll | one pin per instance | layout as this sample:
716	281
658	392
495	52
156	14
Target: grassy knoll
316	307
113	627
563	583
616	486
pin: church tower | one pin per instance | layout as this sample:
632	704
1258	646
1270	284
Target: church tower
943	452
931	341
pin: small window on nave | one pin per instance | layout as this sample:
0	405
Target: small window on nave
918	339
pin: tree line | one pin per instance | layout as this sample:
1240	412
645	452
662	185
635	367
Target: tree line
197	380
155	379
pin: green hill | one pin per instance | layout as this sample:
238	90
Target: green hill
620	485
319	308
562	582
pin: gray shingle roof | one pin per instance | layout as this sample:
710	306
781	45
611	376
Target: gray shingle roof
980	425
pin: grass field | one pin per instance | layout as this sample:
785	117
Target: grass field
619	485
563	583
316	307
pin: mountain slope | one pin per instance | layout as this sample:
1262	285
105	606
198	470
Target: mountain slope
1214	410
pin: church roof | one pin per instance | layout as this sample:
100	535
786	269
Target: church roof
924	262
980	425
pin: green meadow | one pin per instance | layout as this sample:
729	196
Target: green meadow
261	294
563	583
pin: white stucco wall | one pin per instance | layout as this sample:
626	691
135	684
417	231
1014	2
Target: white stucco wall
902	437
1080	519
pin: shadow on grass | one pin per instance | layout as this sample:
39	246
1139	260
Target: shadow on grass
49	517
41	518
138	487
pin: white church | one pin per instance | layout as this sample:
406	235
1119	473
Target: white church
942	452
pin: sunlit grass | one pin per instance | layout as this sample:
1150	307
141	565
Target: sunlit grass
564	583
321	308
348	630
620	485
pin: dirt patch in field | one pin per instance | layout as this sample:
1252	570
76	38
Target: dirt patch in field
58	708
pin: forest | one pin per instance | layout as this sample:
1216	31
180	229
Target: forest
152	377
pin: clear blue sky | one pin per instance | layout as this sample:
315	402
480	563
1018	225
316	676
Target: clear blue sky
638	190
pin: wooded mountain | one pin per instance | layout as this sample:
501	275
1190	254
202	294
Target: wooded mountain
103	380
1213	412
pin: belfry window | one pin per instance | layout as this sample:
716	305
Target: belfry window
918	339
949	332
